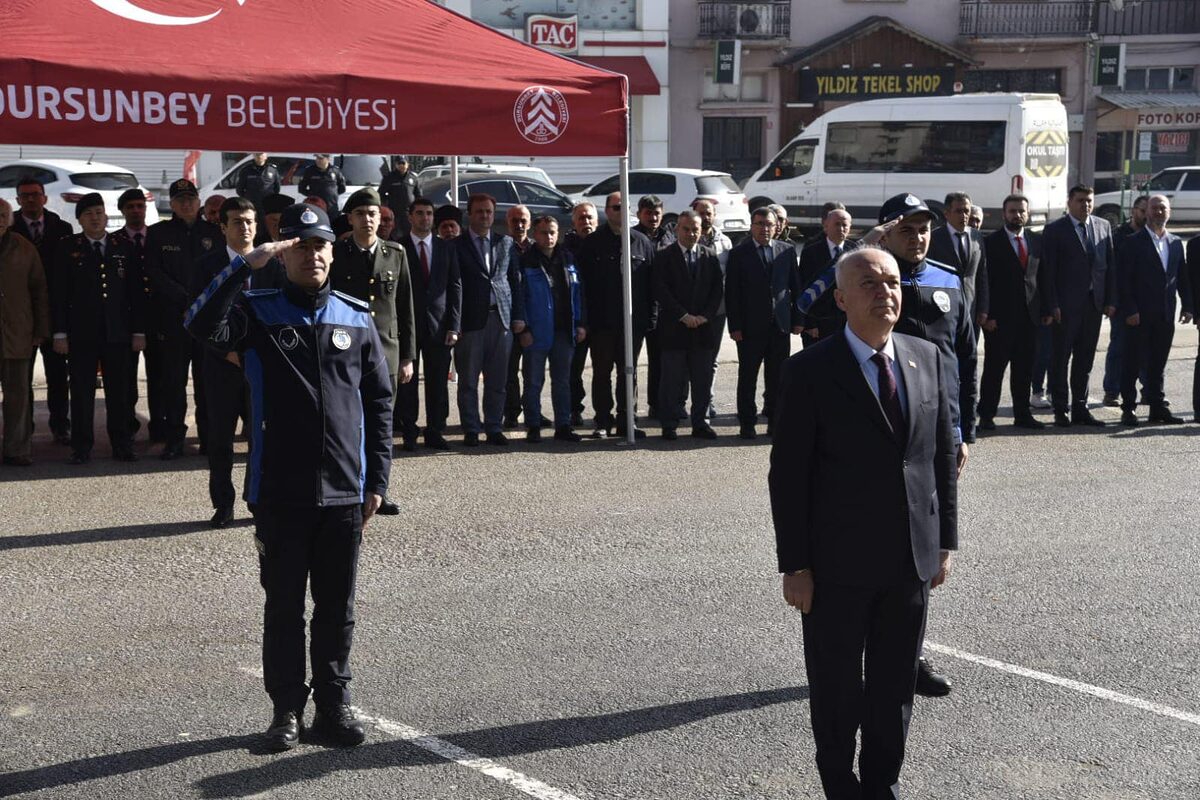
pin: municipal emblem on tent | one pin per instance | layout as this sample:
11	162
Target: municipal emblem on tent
130	11
341	339
309	217
540	114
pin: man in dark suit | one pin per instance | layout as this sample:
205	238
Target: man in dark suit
437	307
761	287
1193	271
1116	326
225	399
1152	270
864	501
45	229
687	287
490	303
1010	315
97	319
819	315
1078	287
960	246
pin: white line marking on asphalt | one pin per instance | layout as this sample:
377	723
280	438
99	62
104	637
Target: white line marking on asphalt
452	752
1068	683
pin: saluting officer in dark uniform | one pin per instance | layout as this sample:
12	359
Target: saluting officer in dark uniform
322	407
324	180
257	180
375	271
398	189
97	313
172	248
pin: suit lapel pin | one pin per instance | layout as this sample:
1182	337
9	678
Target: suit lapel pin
912	364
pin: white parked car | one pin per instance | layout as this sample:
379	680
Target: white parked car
1181	185
359	171
678	188
514	170
68	180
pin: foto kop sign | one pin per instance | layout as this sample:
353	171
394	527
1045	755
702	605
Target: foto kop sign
557	34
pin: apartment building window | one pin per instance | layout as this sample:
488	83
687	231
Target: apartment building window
1160	79
753	88
1013	80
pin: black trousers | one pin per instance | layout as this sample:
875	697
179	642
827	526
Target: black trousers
1075	341
768	352
114	361
578	363
436	360
682	369
225	401
512	396
861	646
154	393
179	352
1147	348
653	371
1012	343
299	546
58	386
608	351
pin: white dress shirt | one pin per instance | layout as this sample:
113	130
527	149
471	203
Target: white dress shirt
863	353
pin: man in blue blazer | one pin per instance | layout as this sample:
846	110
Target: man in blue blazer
1077	284
437	308
1151	272
864	501
490	301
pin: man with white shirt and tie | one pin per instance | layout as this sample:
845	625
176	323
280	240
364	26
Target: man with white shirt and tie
819	315
437	310
97	319
960	247
1078	288
1152	272
1010	316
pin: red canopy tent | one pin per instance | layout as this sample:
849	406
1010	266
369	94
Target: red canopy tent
346	76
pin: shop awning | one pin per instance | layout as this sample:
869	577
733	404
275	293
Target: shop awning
1130	99
641	77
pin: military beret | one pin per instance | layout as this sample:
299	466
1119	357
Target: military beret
276	203
130	194
363	197
447	212
88	201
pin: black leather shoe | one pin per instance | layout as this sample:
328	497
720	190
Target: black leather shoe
471	439
284	733
1165	416
565	434
638	433
747	432
410	444
600	433
669	434
1112	400
171	452
987	424
79	458
1061	420
338	724
498	439
62	437
1081	416
222	517
1129	419
1031	423
533	435
18	461
388	509
930	682
510	423
703	432
436	441
124	454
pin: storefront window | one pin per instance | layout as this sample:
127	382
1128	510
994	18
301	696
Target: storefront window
1108	151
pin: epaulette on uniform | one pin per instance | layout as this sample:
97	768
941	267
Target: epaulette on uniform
260	292
391	245
941	266
350	300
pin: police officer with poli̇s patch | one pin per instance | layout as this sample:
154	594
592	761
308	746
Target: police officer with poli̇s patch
321	398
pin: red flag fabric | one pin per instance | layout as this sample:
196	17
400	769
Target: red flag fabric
361	76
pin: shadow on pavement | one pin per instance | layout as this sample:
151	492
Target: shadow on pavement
154	530
499	742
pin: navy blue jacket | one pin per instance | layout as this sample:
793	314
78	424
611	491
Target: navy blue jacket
320	392
1070	274
933	307
760	298
96	298
538	298
437	303
479	283
1146	288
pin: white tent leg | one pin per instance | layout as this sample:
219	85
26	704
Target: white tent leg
454	180
627	290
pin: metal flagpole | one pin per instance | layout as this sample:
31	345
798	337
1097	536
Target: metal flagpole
627	287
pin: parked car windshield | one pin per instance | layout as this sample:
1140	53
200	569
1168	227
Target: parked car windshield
716	184
105	181
361	170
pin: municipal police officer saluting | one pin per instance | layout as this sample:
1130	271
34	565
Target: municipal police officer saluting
97	315
257	180
321	400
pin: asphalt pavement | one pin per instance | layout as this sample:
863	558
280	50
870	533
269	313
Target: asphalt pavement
602	622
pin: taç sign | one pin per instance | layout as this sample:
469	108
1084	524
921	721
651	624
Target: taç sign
557	34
